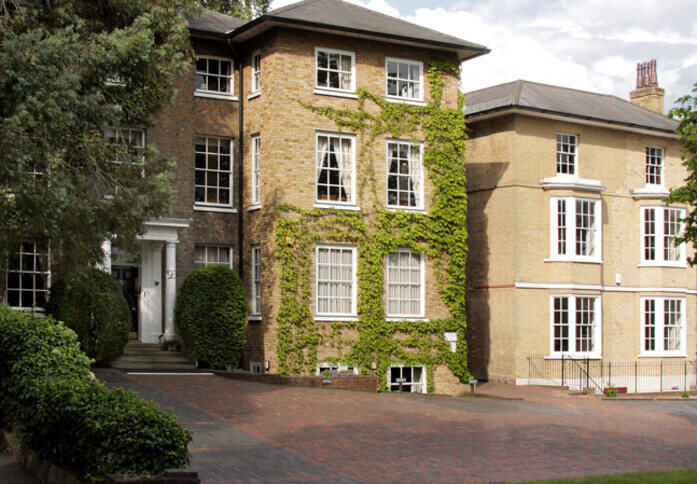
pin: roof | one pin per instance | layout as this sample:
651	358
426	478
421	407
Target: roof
337	15
544	98
215	23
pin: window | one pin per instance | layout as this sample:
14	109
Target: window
256	170
576	325
256	71
335	70
661	229
654	166
336	281
404	175
566	154
214	76
212	255
405	284
256	367
407	379
133	138
256	280
663	326
28	274
575	229
334	369
404	79
213	182
335	169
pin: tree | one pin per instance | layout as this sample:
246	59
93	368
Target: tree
244	9
69	70
687	129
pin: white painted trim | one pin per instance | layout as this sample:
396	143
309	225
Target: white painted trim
659	234
406	100
353	315
253	95
341	367
399	100
252	208
337	206
571	218
599	287
423	382
660	352
335	319
221	97
420	206
522	381
256	170
407	319
211	208
256	364
230	96
254	317
576	155
257	91
565	182
256	254
351	203
422	290
326	92
597	328
650	192
334	91
576	259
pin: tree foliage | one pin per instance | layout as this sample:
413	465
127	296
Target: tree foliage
687	129
244	9
61	179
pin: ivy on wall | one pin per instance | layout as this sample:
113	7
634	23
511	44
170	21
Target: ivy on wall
374	343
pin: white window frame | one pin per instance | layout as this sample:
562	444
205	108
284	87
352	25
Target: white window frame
329	90
576	158
351	202
353	314
256	170
659	237
119	137
46	273
420	205
256	367
570	255
205	263
422	286
230	93
659	153
597	329
338	367
206	170
256	72
659	328
256	280
399	98
416	387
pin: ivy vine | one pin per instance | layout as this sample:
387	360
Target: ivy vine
374	343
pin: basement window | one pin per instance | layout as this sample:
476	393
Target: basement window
411	379
329	369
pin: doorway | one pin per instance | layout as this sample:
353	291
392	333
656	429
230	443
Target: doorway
127	277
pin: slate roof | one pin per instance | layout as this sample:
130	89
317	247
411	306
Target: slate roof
563	101
214	23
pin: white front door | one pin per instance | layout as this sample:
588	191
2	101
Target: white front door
150	323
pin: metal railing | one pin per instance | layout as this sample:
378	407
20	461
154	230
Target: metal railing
630	376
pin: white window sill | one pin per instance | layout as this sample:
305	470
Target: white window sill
328	92
406	209
350	319
661	355
565	182
680	265
32	309
650	192
338	206
252	208
593	356
206	208
254	317
212	95
410	319
253	95
573	259
114	83
405	100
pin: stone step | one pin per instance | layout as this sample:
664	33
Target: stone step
155	359
145	351
152	357
154	366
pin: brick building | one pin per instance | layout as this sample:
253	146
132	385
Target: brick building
572	251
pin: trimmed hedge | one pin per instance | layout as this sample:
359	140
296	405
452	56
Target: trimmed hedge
63	413
211	314
91	303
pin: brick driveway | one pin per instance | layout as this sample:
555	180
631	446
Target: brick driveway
248	432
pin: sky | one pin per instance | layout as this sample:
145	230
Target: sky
592	45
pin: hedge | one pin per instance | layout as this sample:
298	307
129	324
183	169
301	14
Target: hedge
92	304
211	314
59	410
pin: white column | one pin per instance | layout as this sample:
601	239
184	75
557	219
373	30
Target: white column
106	262
170	289
156	330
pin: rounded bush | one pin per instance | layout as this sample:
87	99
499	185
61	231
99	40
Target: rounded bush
91	303
211	313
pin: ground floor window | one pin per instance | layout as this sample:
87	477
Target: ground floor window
330	369
213	255
407	379
28	274
575	321
663	326
256	367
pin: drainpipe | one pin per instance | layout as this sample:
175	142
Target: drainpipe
240	165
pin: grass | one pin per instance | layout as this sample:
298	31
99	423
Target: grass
669	477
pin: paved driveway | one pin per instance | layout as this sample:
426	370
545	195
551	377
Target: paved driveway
248	432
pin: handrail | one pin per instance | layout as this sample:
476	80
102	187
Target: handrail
588	377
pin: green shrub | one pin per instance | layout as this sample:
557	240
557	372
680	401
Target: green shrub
211	313
61	412
611	391
91	303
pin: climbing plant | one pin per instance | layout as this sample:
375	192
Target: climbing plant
374	342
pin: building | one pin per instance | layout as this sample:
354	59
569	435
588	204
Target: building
572	249
257	152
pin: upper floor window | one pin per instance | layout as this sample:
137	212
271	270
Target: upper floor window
212	255
256	280
575	323
335	168
404	175
256	170
214	76
404	79
663	326
28	273
336	70
405	284
661	228
567	145
575	229
256	71
654	166
213	172
133	138
336	281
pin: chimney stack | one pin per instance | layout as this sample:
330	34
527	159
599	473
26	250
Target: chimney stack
647	93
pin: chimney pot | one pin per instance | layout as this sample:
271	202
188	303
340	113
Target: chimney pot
647	93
